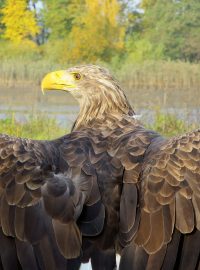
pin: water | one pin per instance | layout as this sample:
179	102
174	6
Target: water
26	101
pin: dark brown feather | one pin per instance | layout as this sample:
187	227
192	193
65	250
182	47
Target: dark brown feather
68	238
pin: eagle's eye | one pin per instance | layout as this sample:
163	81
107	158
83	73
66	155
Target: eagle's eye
77	76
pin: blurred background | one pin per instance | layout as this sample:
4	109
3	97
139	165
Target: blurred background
151	46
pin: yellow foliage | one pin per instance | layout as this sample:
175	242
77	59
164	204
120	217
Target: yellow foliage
20	22
96	31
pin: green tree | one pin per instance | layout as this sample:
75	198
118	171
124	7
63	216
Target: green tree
147	3
141	49
175	25
58	16
137	47
1	25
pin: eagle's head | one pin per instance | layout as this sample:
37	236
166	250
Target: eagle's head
97	91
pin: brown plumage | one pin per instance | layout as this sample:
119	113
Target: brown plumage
108	185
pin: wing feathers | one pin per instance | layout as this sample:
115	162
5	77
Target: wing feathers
47	253
5	211
184	214
129	214
26	256
91	220
68	238
14	192
170	191
19	223
133	257
167	193
155	261
144	230
157	233
27	180
190	255
8	253
172	252
128	206
196	205
57	198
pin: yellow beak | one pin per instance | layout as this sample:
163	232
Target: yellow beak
58	80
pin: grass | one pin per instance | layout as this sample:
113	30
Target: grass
169	125
42	127
37	127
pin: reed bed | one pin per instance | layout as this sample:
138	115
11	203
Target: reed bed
23	72
161	75
148	75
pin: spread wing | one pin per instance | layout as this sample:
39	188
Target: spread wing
132	156
42	198
170	191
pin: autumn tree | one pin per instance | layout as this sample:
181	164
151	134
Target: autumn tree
19	21
96	31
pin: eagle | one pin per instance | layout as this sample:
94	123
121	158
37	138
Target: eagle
110	186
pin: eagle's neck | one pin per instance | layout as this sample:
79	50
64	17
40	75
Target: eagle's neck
102	108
